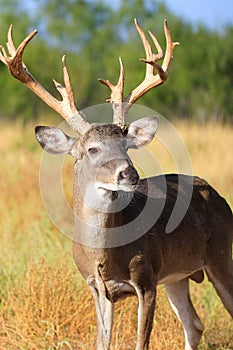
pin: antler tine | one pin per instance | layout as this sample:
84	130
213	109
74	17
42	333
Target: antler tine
116	97
12	50
150	81
10	44
169	49
147	46
122	105
66	107
75	119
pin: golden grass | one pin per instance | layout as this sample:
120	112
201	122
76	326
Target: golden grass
210	147
52	311
44	302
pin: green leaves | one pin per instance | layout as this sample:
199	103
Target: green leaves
93	34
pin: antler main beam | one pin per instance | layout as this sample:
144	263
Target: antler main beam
122	105
66	107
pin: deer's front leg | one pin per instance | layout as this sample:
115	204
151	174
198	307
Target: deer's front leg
104	315
146	308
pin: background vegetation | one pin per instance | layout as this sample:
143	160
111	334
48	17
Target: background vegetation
93	34
44	303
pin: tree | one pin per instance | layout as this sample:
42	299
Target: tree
93	34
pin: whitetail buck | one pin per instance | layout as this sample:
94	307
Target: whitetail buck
129	251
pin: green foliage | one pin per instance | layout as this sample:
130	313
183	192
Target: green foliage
93	34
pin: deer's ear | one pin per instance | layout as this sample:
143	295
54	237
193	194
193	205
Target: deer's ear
54	141
142	131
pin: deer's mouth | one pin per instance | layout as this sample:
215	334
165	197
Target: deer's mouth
115	187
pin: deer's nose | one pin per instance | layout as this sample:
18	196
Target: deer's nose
128	174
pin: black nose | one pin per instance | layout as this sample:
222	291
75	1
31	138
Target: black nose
129	174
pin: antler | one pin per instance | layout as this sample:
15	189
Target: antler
66	107
122	105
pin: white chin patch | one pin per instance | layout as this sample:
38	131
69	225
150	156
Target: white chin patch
97	195
104	193
102	188
100	197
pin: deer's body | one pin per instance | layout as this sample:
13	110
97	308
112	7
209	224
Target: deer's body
122	245
201	242
168	257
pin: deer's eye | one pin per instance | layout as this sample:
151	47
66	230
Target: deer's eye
92	150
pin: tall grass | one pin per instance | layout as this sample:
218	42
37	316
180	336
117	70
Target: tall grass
44	303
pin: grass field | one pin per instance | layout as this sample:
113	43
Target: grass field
44	303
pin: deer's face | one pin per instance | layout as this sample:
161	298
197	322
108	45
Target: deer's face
102	162
104	153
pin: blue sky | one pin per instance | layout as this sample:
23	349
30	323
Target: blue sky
213	13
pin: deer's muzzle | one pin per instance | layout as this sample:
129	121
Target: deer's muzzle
129	174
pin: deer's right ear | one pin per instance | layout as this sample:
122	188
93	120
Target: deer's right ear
142	131
54	140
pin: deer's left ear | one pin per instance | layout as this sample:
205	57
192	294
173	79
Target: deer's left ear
142	131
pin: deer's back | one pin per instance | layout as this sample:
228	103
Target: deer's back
200	203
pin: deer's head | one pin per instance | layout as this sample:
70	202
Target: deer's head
100	150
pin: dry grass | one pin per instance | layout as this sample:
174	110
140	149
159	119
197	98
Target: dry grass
52	311
210	148
44	302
